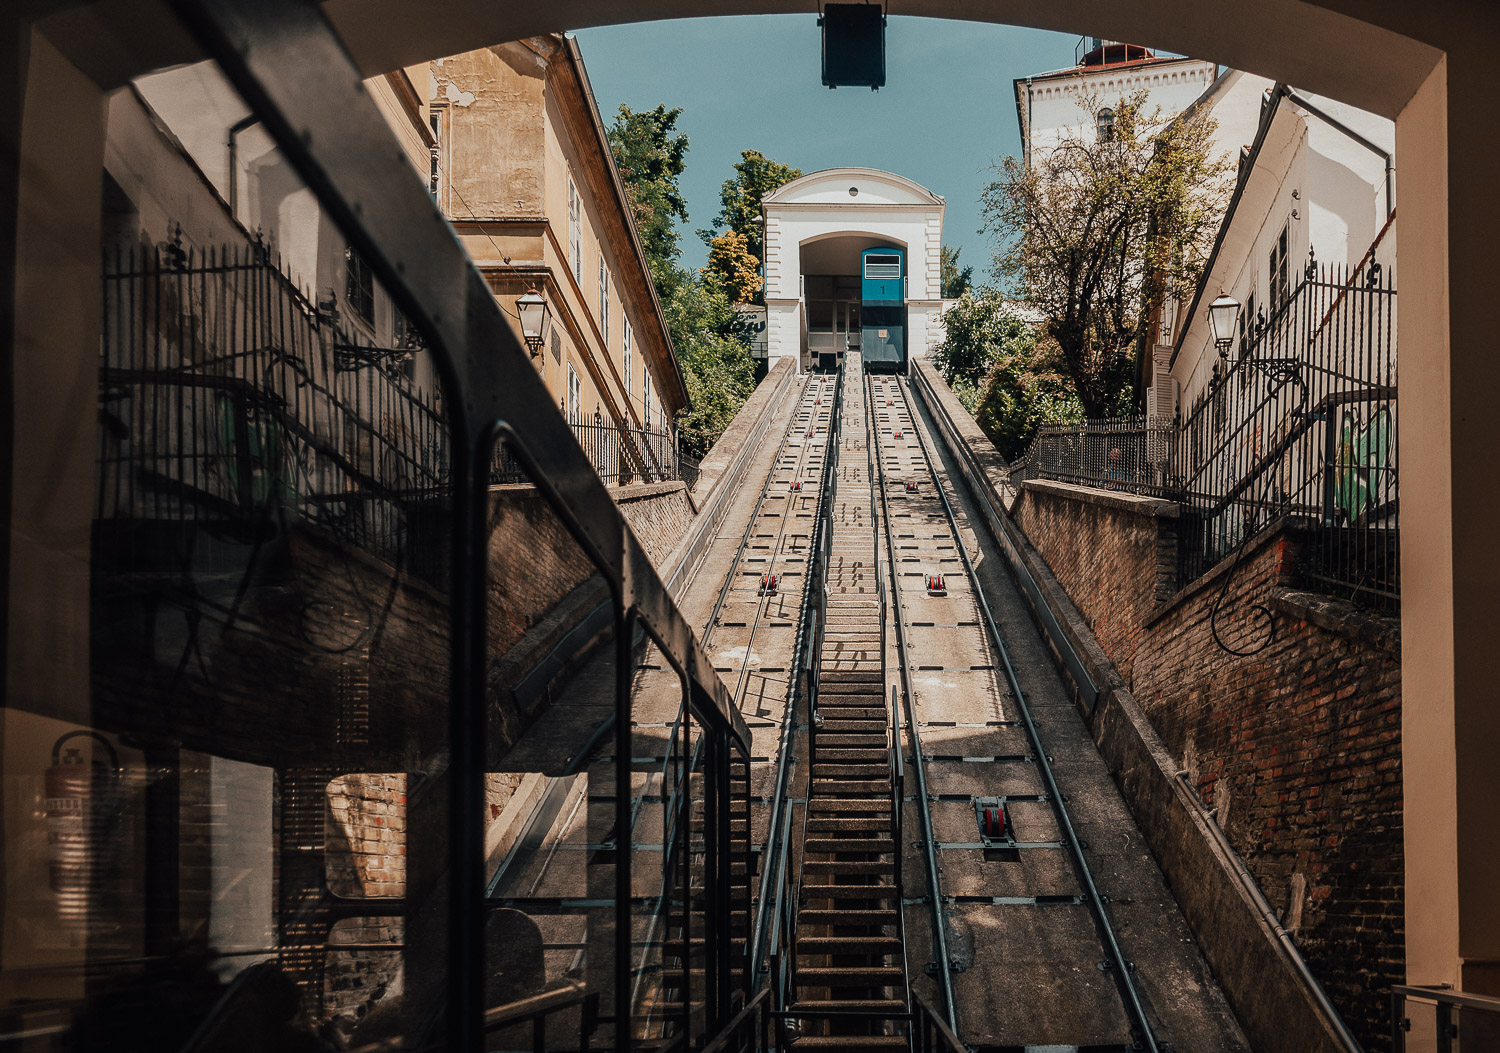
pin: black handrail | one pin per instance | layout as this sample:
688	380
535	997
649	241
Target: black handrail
807	643
1445	1001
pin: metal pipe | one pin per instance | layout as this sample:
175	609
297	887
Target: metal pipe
1268	914
1334	122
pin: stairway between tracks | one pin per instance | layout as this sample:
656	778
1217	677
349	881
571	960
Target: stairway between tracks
849	976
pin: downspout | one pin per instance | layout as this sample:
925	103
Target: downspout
235	129
1384	155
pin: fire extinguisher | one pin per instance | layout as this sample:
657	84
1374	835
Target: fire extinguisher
82	797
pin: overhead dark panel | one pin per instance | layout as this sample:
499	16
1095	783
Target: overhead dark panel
853	45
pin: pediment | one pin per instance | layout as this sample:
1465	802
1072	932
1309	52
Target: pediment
831	187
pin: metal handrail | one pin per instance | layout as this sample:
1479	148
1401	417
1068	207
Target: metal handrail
754	1014
807	643
1268	914
1444	1000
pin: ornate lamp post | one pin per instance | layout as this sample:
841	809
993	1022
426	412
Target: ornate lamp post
1223	314
536	319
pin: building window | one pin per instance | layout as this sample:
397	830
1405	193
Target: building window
603	301
575	398
575	233
625	336
1105	123
1278	269
645	400
359	286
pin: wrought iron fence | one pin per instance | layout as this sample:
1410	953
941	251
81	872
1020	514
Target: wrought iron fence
226	394
1299	420
689	470
1302	422
1121	454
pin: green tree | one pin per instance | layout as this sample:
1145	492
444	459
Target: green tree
732	268
954	282
755	176
651	155
1100	228
707	333
1005	370
714	350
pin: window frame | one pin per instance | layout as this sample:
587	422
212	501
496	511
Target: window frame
625	339
359	286
575	230
575	398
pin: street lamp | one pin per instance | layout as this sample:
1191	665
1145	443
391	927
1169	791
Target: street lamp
1223	313
536	319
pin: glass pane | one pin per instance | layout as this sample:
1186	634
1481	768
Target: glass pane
550	793
225	799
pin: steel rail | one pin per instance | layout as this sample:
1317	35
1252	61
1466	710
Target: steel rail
799	649
760	608
674	807
1119	966
942	961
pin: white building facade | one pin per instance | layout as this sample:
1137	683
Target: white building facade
1050	107
816	229
1317	183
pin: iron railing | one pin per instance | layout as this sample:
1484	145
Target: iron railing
1442	1020
688	470
1302	422
1115	454
225	390
1298	421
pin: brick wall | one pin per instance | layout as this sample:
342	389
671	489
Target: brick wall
659	515
1297	747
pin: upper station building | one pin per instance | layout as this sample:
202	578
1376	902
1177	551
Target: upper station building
852	264
1051	106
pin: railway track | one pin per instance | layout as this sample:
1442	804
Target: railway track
994	817
901	846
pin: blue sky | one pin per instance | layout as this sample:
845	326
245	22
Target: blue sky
946	114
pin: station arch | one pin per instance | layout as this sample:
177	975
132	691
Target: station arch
1427	66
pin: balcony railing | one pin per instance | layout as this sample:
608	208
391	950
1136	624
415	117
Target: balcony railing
223	389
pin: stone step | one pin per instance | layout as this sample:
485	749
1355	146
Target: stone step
850	976
849	844
848	945
848	918
839	893
833	805
848	866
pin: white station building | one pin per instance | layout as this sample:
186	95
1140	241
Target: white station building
817	231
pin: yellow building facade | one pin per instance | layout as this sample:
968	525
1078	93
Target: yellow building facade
520	164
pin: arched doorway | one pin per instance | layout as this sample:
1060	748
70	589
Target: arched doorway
1428	67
